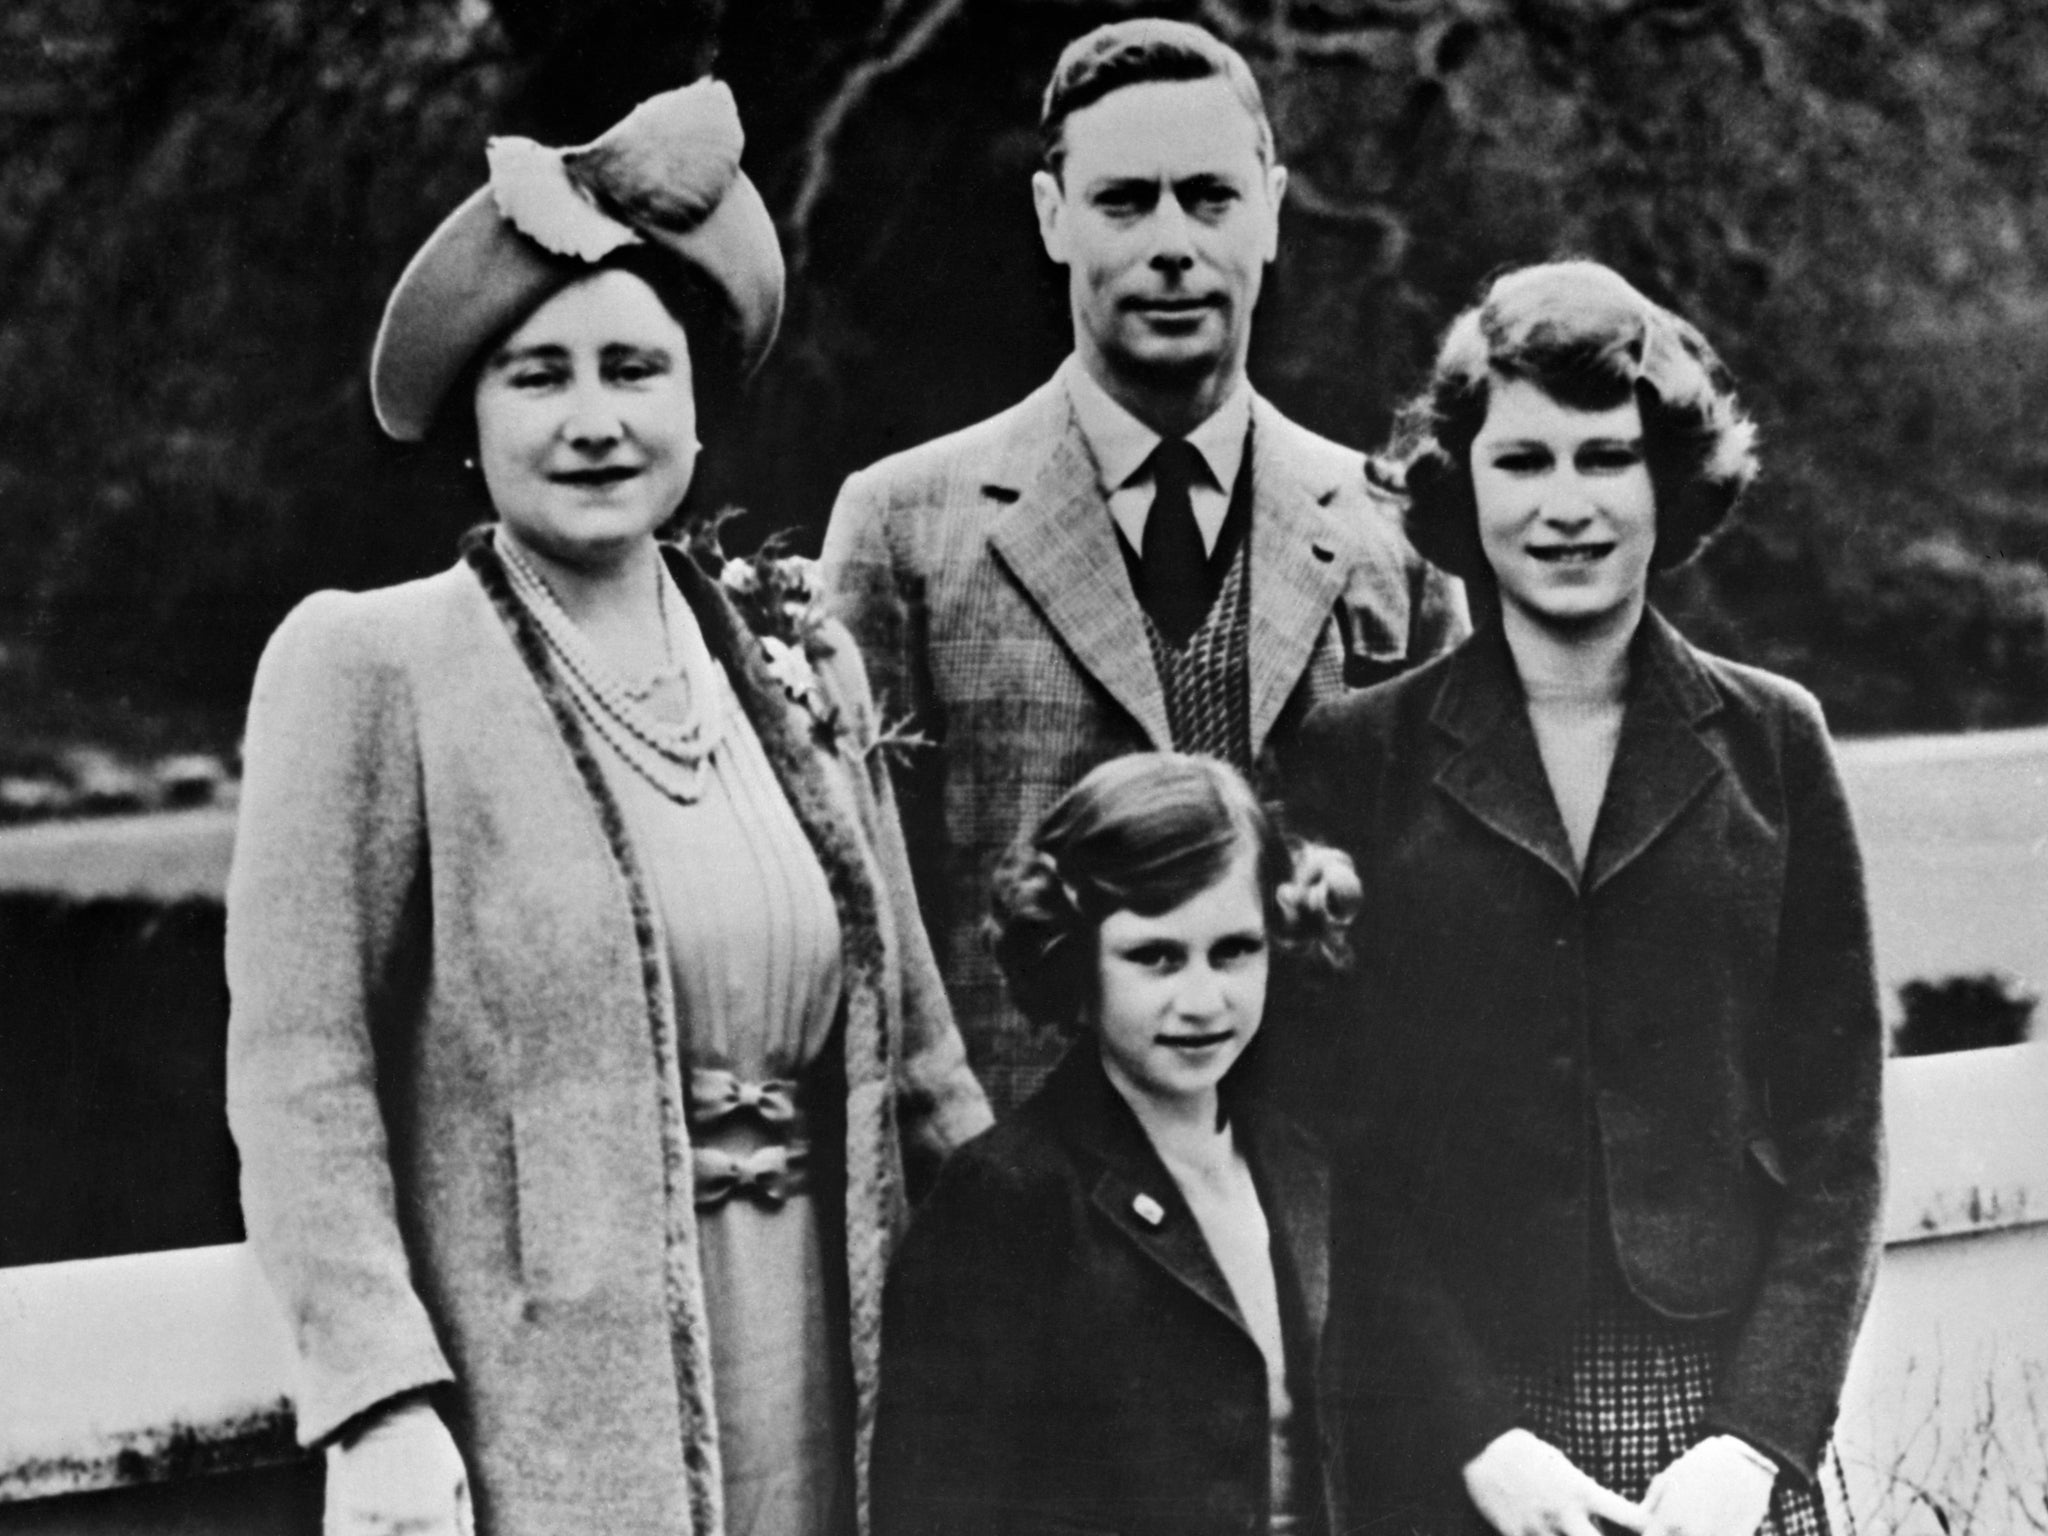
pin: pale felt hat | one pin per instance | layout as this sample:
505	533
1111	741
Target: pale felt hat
668	175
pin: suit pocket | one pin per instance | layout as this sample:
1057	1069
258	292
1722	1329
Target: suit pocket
567	1207
1685	1213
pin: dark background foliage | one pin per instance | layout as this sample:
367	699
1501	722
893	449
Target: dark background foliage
203	203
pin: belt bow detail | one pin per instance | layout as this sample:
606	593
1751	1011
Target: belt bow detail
717	1095
767	1175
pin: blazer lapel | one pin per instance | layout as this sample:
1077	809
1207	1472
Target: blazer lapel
1294	1188
1496	773
1131	1187
1661	764
1058	541
1296	574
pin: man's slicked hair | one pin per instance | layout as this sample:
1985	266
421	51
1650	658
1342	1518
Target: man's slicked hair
1142	51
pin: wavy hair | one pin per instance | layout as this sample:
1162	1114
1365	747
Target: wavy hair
1145	833
1582	334
1142	50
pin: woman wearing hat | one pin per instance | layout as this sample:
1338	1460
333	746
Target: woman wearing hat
1615	1206
582	1015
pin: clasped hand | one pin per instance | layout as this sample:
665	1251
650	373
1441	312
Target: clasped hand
399	1475
1718	1488
1525	1486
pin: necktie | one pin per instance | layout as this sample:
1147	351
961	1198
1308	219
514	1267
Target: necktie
1173	565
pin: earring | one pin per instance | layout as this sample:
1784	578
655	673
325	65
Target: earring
470	464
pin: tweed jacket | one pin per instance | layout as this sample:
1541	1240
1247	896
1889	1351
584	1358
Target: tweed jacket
984	580
1671	1062
454	1055
1054	1360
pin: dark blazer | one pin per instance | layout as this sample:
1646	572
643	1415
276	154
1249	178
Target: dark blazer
1055	1361
1697	1012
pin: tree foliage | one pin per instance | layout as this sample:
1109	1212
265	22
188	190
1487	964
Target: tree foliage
202	205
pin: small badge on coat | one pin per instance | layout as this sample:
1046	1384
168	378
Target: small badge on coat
1150	1211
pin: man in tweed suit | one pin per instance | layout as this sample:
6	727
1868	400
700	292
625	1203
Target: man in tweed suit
1141	553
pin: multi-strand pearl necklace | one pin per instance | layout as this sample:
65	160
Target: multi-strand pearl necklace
669	754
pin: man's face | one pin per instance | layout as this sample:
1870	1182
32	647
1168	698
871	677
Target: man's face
1165	218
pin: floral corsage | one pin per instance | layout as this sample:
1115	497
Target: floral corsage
782	598
783	602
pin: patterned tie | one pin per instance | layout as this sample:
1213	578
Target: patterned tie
1173	565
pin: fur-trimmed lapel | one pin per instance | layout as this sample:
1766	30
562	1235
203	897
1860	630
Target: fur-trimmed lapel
823	786
815	778
821	775
683	1278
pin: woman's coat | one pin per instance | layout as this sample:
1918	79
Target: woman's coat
1062	1351
454	1058
1698	1010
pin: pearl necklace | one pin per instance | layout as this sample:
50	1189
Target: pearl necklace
669	754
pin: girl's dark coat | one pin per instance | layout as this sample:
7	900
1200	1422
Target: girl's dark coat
1055	1361
1697	1012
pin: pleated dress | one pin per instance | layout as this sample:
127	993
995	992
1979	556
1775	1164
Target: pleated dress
752	944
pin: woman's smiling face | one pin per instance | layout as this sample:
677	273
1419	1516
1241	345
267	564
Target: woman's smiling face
1180	995
587	421
1567	511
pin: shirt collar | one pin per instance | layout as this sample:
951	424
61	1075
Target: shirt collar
1122	444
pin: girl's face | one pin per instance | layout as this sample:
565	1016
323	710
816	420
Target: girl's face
1567	513
586	421
1180	995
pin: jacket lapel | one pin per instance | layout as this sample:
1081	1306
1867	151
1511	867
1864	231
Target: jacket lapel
1131	1186
1058	541
1296	574
690	1337
1294	1188
1662	763
1496	773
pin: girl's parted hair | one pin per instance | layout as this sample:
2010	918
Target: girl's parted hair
1586	337
1145	833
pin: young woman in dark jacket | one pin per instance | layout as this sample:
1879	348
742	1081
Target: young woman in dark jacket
1109	1314
1616	1085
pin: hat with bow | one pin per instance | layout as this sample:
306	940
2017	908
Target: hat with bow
667	175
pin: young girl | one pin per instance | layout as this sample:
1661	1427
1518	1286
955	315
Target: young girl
1109	1314
1618	1039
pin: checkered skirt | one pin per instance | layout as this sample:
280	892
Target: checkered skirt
1626	1396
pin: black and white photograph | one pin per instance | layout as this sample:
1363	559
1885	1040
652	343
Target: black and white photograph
1021	768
